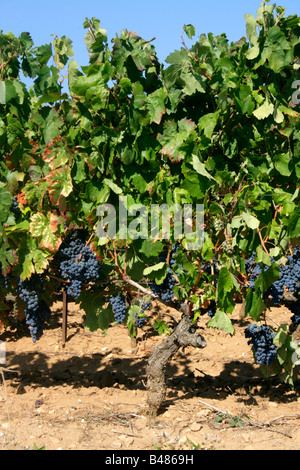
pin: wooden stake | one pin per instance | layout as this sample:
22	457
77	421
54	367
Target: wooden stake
64	317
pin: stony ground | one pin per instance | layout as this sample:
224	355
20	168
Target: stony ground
91	393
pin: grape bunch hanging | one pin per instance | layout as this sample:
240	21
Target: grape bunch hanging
165	290
77	262
261	338
36	310
289	280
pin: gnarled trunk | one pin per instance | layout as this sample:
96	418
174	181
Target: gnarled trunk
183	335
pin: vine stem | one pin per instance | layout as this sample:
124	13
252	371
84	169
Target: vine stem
262	241
195	58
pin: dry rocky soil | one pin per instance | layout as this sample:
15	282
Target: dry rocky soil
90	394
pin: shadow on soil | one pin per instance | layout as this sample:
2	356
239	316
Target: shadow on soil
130	373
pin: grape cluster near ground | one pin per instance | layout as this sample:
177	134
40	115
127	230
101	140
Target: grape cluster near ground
118	304
36	311
289	281
261	337
141	318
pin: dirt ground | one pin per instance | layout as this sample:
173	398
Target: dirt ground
91	394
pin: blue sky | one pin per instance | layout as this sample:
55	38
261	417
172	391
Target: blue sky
162	19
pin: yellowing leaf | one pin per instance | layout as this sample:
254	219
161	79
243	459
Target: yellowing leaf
264	111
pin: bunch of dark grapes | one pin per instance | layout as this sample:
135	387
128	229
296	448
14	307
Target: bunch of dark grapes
163	256
289	278
141	320
261	337
15	208
252	269
165	290
36	311
212	309
77	262
118	305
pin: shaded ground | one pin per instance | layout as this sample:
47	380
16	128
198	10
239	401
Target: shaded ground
91	394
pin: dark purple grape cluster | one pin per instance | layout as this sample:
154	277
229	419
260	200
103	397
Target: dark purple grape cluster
165	290
77	262
261	338
118	304
15	208
36	311
289	279
141	319
289	275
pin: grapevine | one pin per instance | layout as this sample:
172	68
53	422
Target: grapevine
261	338
218	127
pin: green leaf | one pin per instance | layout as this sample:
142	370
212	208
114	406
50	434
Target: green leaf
208	248
253	52
51	126
264	110
278	115
73	73
267	278
34	257
151	248
281	336
189	30
181	72
251	221
11	90
139	97
6	202
225	282
156	267
113	186
156	105
254	305
294	223
244	100
262	256
125	87
251	30
139	182
92	302
221	321
277	50
174	137
282	164
200	168
208	122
